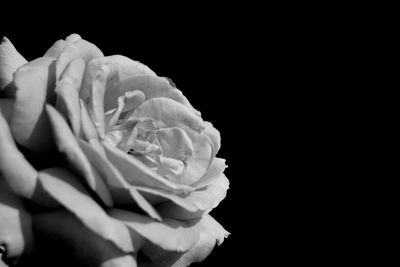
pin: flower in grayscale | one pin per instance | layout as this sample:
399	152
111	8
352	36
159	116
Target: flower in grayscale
101	154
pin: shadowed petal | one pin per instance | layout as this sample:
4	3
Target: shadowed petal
67	91
205	199
116	183
68	145
15	225
136	173
66	232
210	232
62	186
23	179
34	83
6	108
169	234
10	61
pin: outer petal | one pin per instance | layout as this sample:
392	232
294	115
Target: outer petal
126	68
21	179
62	186
216	169
210	232
68	145
34	84
62	234
206	199
15	224
10	61
214	137
169	234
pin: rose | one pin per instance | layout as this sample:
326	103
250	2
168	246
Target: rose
138	172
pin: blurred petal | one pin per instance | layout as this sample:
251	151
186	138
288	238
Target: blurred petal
216	168
21	179
10	61
73	37
67	91
56	49
152	86
169	234
15	225
136	173
66	189
126	68
61	228
68	145
58	46
34	83
214	136
116	183
6	108
210	232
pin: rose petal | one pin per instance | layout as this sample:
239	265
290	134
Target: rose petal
156	196
175	143
79	48
10	61
96	99
214	137
67	91
21	179
34	83
205	199
73	37
116	183
15	225
6	108
63	229
216	168
66	189
152	86
210	232
136	173
56	49
68	145
170	113
126	67
89	131
169	234
59	45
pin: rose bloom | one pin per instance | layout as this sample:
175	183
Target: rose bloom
102	156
